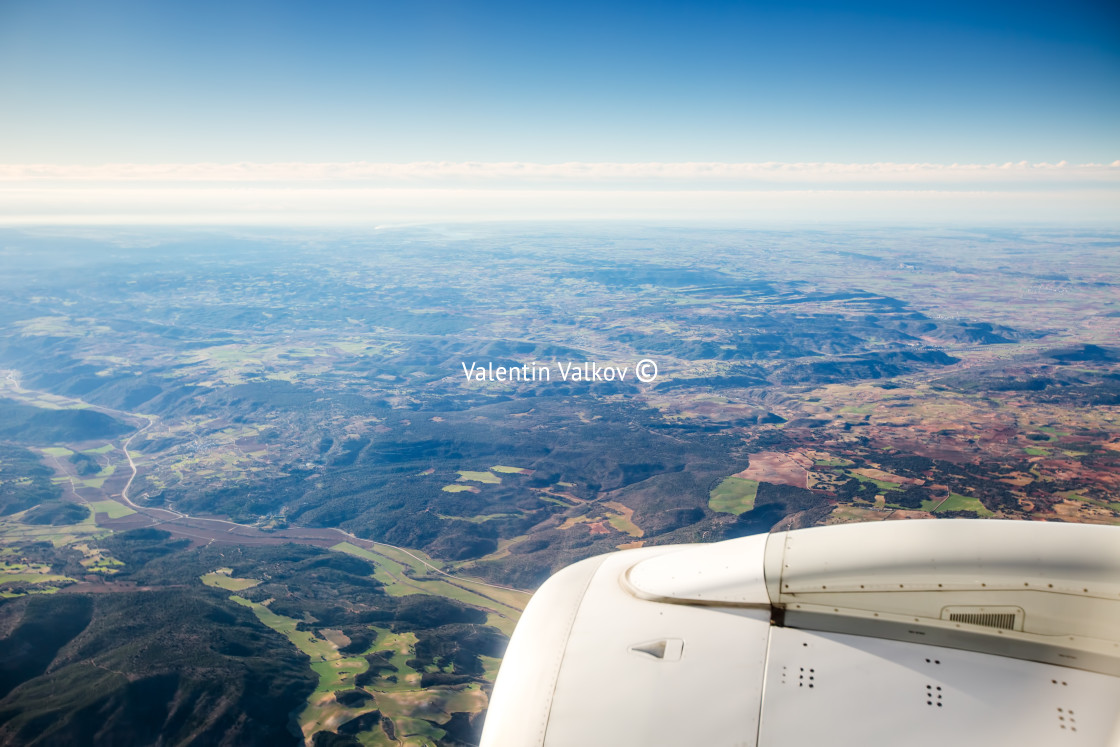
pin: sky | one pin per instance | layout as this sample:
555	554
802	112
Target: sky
225	111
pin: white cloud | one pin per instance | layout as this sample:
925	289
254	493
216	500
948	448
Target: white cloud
363	206
359	193
631	175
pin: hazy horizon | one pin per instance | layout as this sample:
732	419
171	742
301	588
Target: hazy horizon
362	114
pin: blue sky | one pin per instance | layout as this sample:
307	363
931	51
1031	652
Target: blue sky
329	88
412	80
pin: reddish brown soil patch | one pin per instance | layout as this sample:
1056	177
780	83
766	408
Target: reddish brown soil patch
124	523
109	588
778	468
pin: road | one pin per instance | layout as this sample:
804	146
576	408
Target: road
208	529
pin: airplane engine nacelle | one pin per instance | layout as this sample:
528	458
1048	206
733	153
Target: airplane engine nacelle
890	633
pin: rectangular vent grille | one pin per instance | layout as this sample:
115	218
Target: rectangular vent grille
1005	620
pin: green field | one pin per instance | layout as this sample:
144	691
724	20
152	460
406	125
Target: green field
112	508
1052	431
56	451
623	521
100	449
735	495
459	489
401	645
486	477
8	567
510	470
881	484
12	531
37	575
625	525
1073	495
957	502
220	579
335	671
404	575
410	707
34	578
107	566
